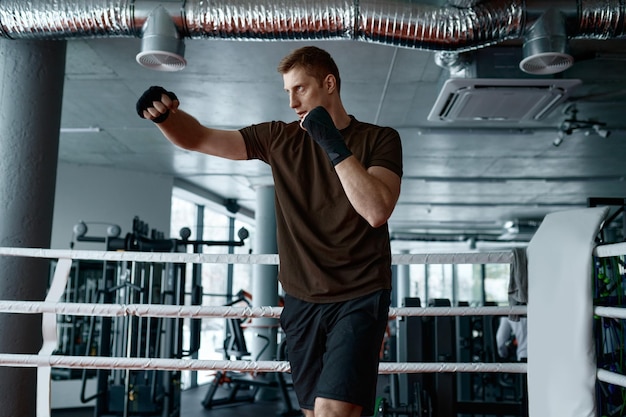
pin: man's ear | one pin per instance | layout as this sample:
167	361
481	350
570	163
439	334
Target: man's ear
330	83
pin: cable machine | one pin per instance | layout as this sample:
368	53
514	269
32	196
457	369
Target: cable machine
131	392
609	289
450	339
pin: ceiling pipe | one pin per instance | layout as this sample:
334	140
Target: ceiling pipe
461	27
395	22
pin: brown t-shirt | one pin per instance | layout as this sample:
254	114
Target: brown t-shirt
328	252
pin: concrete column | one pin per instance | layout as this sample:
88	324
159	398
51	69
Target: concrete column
404	282
265	279
31	92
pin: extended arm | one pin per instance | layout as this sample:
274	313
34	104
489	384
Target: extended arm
185	131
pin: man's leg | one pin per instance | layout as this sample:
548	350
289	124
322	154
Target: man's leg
347	384
325	407
332	371
333	408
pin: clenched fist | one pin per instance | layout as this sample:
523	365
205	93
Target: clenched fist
155	104
320	126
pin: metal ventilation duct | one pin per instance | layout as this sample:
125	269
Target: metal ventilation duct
545	45
161	46
395	22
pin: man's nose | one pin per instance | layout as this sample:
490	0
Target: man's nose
293	102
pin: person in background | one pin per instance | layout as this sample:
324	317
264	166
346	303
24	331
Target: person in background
337	181
512	336
512	341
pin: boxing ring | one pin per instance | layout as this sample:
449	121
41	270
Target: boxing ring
553	387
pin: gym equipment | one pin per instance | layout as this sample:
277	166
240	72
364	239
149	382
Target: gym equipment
609	290
420	407
242	387
129	392
450	339
143	239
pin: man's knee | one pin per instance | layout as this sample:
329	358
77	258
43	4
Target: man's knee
325	407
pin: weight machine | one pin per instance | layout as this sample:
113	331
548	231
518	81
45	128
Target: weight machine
609	289
242	387
129	392
450	339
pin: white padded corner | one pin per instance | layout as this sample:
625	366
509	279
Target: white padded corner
561	353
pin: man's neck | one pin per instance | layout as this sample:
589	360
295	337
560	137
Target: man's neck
341	118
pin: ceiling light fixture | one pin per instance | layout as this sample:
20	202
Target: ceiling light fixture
162	47
573	124
559	138
545	45
90	129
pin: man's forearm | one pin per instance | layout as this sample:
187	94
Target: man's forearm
373	193
185	131
182	130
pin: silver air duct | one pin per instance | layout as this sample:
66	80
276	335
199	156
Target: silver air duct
545	45
395	22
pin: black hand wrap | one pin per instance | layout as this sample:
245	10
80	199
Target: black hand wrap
320	126
147	99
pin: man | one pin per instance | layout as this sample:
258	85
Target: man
337	181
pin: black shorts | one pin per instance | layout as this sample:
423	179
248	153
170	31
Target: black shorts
334	349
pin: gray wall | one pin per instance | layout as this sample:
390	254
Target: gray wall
105	195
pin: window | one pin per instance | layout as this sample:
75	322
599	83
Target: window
460	283
469	284
440	283
497	283
218	281
418	282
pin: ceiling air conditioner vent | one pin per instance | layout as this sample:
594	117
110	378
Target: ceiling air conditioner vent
499	100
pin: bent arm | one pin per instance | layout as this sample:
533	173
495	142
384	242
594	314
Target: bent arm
373	192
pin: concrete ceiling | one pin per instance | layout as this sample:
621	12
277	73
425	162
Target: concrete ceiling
463	180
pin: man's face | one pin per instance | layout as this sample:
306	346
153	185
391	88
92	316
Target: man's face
304	91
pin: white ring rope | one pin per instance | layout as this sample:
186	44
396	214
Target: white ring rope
456	311
610	312
270	259
607	251
48	307
196	312
611	377
165	257
453	258
95	362
138	310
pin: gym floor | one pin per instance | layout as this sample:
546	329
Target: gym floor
191	405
